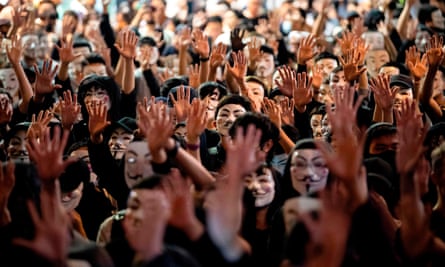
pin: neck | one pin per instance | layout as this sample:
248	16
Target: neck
261	220
153	249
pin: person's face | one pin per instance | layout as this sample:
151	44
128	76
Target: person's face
6	102
82	154
72	199
137	163
119	141
230	20
256	92
384	143
401	96
309	172
326	65
375	40
262	186
338	81
17	147
254	6
316	121
226	117
325	127
375	59
95	68
30	45
97	94
213	30
181	132
83	51
265	66
9	80
389	71
47	14
212	101
438	19
422	39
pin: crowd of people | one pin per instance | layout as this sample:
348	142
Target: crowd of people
222	133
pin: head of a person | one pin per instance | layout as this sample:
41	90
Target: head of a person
83	48
266	62
213	27
9	81
137	162
47	13
15	142
293	40
93	64
70	15
257	89
431	16
211	93
269	132
180	130
121	134
6	101
254	7
264	185
404	89
337	80
393	68
147	45
228	110
438	170
32	45
94	89
79	150
72	182
382	141
373	18
376	59
374	39
327	62
434	138
306	171
423	36
439	82
316	118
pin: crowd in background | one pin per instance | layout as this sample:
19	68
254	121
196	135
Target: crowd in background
222	133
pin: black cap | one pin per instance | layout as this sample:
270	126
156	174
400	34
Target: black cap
403	81
126	123
73	175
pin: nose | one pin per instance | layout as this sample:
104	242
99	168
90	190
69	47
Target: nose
254	186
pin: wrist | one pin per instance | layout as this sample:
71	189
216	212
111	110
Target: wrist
38	98
96	139
204	58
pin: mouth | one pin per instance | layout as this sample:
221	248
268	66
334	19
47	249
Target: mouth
134	177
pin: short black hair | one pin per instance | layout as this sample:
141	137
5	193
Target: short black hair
151	182
207	88
82	42
93	58
268	129
267	50
71	13
216	19
234	99
324	55
147	40
425	12
377	130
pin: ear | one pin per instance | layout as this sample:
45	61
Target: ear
268	146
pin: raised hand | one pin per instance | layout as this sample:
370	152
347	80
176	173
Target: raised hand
288	80
194	76
236	39
7	182
5	111
287	111
434	51
317	76
181	103
97	120
44	80
224	204
69	110
157	118
14	51
66	52
197	121
185	38
350	63
254	50
127	44
416	65
47	154
272	110
302	93
346	42
178	192
411	134
217	56
358	27
52	237
239	69
201	43
383	94
38	126
306	50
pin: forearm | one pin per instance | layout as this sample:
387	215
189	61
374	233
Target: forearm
128	83
363	85
198	173
378	114
318	26
426	92
204	72
25	88
212	74
193	147
119	72
403	21
5	217
182	61
388	116
63	71
285	142
232	85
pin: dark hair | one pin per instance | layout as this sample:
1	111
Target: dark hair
377	130
257	80
147	41
82	42
103	82
268	130
234	99
71	13
93	58
424	14
324	55
267	50
216	19
77	145
4	92
207	88
76	173
401	67
373	18
173	82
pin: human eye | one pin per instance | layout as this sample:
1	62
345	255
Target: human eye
319	164
131	160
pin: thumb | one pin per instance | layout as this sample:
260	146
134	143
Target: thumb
21	242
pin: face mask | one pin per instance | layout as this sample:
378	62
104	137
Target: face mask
390	157
286	26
